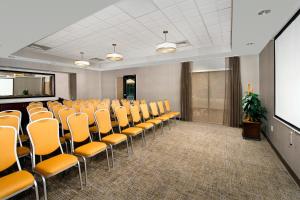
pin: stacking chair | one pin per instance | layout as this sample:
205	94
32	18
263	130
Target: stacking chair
44	136
155	114
143	101
63	115
36	103
79	128
76	106
103	121
89	110
68	103
56	109
147	118
36	109
15	182
13	121
41	115
136	120
162	110
23	137
33	106
168	109
124	126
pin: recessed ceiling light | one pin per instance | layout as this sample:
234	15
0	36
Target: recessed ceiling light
250	43
264	12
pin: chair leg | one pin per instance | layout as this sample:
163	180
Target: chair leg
79	171
108	165
127	147
131	144
85	169
145	137
143	140
45	187
162	127
169	124
36	190
66	144
154	131
112	156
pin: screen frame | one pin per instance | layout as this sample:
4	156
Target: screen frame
291	20
30	72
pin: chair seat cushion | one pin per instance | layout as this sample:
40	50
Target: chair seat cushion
23	151
115	138
132	131
162	118
56	164
154	121
67	136
24	137
144	125
93	129
90	149
114	123
174	113
15	182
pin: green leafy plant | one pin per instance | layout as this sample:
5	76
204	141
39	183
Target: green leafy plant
252	108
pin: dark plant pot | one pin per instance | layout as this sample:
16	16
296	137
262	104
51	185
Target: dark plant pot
251	130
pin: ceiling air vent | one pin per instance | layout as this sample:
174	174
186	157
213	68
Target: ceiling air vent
96	59
183	43
39	47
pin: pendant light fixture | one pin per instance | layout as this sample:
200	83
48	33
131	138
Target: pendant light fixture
114	56
82	62
166	47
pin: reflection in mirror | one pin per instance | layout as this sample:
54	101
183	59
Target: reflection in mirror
16	84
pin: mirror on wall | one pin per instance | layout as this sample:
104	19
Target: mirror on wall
21	84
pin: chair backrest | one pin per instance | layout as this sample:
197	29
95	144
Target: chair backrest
145	111
63	115
121	114
56	109
68	103
79	127
36	103
8	147
33	106
41	115
89	110
126	104
135	114
154	109
44	136
143	101
115	103
161	107
16	113
103	121
36	109
52	104
102	105
76	106
167	105
10	120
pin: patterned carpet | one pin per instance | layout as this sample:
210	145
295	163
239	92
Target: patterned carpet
190	161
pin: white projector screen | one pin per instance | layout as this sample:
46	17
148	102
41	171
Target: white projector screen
6	86
287	73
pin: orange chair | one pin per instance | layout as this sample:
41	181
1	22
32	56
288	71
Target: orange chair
56	109
155	114
41	115
36	109
63	115
124	126
15	182
44	137
104	125
79	128
136	120
89	110
13	121
23	137
168	109
146	117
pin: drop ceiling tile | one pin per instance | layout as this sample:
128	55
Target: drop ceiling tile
136	8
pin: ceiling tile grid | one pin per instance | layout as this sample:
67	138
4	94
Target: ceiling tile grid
136	26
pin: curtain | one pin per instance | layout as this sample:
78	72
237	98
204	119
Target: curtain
186	91
233	93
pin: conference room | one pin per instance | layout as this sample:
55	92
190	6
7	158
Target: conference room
150	99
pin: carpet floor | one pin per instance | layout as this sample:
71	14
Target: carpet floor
190	161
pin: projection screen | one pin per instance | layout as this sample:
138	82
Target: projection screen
287	73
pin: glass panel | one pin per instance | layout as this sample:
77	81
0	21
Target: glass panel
16	84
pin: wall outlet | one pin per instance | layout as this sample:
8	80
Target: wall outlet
272	128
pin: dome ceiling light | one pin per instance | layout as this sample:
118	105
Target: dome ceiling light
82	62
166	47
114	56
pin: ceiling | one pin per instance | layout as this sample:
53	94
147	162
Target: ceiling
212	29
136	27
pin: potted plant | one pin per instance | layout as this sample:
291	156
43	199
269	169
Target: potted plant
254	114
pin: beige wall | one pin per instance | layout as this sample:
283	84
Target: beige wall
250	72
280	136
153	83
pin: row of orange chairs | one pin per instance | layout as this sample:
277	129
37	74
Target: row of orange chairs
79	126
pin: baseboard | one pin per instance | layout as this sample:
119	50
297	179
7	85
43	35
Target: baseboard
287	166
